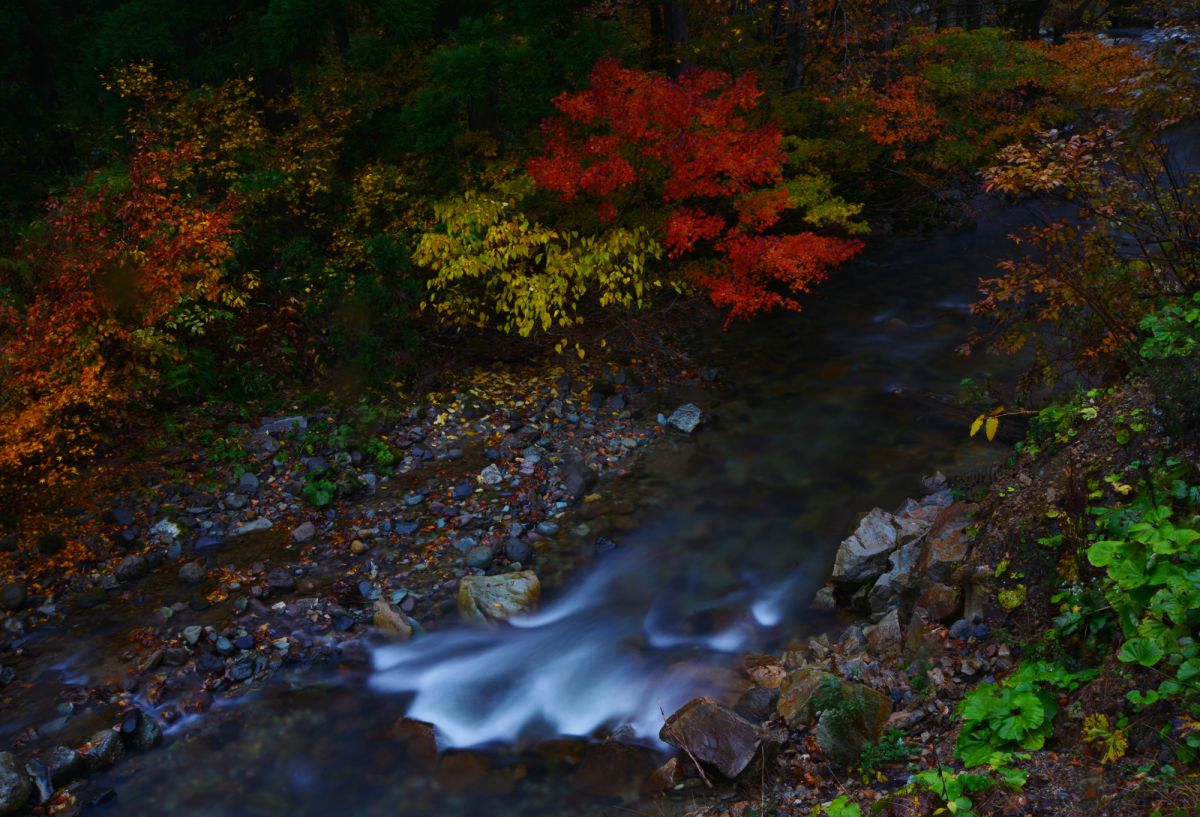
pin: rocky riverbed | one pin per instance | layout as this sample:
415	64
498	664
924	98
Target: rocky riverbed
299	541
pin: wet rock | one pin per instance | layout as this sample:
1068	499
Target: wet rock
615	770
757	704
304	532
714	735
391	621
132	567
148	734
224	646
260	524
241	670
281	580
418	742
496	598
492	475
479	557
235	502
664	778
518	550
7	676
64	765
192	573
863	556
824	601
12	597
39	775
247	484
191	634
15	786
102	750
686	418
578	477
207	543
547	528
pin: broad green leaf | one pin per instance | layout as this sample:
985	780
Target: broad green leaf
1140	651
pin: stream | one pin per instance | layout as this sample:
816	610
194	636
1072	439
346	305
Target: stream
822	416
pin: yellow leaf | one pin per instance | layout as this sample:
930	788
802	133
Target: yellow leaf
993	423
978	424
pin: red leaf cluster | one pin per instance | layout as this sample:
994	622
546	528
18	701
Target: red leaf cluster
693	152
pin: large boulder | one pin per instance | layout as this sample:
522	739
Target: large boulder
900	580
714	735
946	545
848	715
15	785
863	556
497	598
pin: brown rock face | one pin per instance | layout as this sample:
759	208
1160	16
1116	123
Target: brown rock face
714	735
946	544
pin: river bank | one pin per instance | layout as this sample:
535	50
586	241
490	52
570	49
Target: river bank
724	535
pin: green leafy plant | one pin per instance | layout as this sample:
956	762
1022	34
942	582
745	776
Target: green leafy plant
319	492
952	788
1016	713
840	806
890	748
1152	583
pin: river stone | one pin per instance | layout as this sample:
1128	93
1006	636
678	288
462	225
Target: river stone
262	523
281	580
166	530
863	557
235	502
147	735
15	786
518	550
479	557
192	573
12	597
303	532
496	598
391	621
757	704
131	567
121	517
492	475
714	735
64	765
686	418
102	750
247	483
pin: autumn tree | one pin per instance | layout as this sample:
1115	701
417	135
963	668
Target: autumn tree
693	160
127	266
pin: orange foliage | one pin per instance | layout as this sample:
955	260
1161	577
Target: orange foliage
120	257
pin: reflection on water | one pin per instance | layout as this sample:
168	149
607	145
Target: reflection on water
828	414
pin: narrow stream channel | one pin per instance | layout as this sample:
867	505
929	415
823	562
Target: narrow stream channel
828	413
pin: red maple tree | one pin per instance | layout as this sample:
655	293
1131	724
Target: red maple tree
693	157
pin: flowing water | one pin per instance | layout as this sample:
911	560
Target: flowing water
824	415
